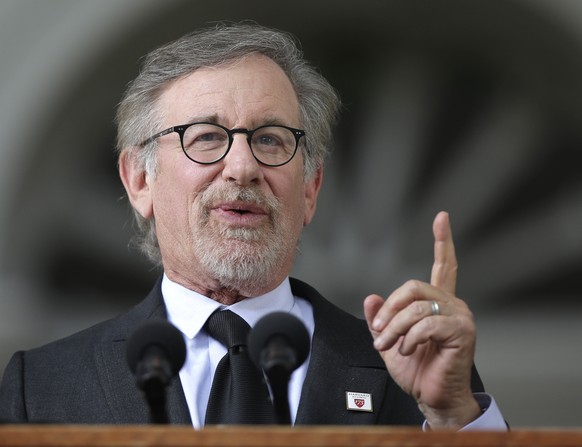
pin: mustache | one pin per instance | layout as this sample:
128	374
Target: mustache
211	194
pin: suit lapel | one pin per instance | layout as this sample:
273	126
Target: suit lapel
126	401
324	401
340	354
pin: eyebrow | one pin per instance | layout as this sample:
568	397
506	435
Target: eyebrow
214	119
268	121
204	119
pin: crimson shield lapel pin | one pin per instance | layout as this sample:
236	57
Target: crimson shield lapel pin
356	401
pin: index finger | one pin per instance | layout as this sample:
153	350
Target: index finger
444	269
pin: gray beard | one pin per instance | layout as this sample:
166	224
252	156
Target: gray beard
241	259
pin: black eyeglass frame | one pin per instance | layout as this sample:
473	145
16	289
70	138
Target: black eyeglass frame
181	129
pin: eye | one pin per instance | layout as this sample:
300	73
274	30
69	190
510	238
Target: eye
268	140
204	137
273	137
210	136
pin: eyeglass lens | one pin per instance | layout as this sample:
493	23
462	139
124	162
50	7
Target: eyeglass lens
206	143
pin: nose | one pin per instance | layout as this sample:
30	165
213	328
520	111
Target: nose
240	166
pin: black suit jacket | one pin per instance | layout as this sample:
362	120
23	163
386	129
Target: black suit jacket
84	378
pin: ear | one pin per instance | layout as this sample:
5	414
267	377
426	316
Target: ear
136	183
312	187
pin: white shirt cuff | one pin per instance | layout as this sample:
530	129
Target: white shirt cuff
490	419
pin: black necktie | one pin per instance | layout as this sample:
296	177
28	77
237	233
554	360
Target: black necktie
239	394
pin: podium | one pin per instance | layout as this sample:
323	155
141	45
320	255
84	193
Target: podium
254	436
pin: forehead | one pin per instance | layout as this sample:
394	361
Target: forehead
253	88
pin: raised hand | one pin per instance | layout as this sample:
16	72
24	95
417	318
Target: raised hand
426	336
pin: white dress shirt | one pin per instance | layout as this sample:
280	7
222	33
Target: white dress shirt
188	311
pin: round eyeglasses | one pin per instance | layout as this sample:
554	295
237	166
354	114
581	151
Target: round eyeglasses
208	143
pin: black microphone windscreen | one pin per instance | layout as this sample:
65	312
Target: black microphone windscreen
160	334
279	324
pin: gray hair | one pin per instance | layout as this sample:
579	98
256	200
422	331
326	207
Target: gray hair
138	116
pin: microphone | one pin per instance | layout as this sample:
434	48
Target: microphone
278	344
155	354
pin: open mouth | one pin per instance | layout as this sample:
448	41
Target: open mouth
242	208
241	213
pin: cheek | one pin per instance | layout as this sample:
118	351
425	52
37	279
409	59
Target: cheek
180	179
295	208
289	188
168	207
173	197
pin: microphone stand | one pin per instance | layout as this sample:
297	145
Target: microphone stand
279	387
153	376
278	366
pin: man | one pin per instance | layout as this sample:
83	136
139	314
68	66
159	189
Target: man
222	139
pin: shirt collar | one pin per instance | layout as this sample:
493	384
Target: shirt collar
189	310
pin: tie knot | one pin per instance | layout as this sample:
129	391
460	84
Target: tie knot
228	328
